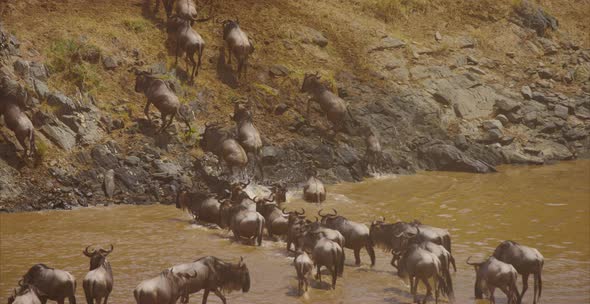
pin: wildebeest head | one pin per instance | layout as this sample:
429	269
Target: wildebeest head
228	26
310	82
34	273
213	137
241	112
97	257
23	289
174	22
235	276
187	115
329	218
280	193
294	216
142	80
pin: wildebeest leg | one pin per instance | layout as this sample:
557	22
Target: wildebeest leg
21	140
164	116
240	66
205	295
492	298
370	251
413	285
32	146
191	57
146	111
229	54
536	288
428	290
220	295
177	49
106	299
166	125
71	299
357	256
308	111
318	275
525	284
334	274
201	48
508	294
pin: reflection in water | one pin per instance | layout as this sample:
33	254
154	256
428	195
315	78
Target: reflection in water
544	207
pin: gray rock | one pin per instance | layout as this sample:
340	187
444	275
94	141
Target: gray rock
503	119
167	168
21	67
158	68
494	135
437	36
472	60
476	70
545	73
440	156
65	104
60	134
530	117
278	70
281	108
540	97
310	35
110	63
39	71
491	124
514	157
132	160
324	156
575	134
387	43
507	105
544	83
269	155
582	113
104	156
41	89
109	183
526	92
466	42
461	142
347	155
561	111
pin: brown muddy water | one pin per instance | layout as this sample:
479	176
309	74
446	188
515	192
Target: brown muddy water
544	207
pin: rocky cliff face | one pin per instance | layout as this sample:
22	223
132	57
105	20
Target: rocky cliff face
450	101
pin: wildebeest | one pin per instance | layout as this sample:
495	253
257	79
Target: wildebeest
203	206
295	221
311	231
159	93
356	234
492	274
26	294
277	222
242	221
328	253
238	44
334	106
214	274
526	260
419	264
314	190
186	9
219	141
373	154
19	123
98	282
187	41
303	267
56	284
248	135
165	288
391	236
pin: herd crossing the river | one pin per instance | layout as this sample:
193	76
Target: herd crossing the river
419	252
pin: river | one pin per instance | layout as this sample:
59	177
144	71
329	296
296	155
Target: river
546	207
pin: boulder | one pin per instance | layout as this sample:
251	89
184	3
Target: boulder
491	124
441	156
39	71
561	111
526	92
110	63
60	134
64	103
387	43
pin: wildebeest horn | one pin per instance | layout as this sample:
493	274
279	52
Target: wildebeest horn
87	253
20	283
241	260
320	212
382	218
335	212
399	234
285	212
110	250
316	219
302	211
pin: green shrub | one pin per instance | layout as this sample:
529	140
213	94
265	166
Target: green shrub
65	59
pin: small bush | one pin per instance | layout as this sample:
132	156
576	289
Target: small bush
66	58
136	25
389	10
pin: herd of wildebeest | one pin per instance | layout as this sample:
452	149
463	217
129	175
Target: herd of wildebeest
419	252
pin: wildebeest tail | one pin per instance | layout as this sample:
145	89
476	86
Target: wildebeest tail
538	277
260	224
448	284
477	289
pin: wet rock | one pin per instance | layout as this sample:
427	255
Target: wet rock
60	134
110	63
132	179
526	92
278	70
64	103
440	156
512	156
105	156
21	67
39	71
387	43
561	111
109	183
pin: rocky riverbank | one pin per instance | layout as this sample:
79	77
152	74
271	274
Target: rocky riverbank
441	104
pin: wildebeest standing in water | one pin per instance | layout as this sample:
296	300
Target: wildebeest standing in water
526	260
56	284
214	274
295	221
26	294
187	41
328	253
98	282
303	267
242	221
334	106
203	206
314	190
238	44
493	273
356	234
165	288
158	92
